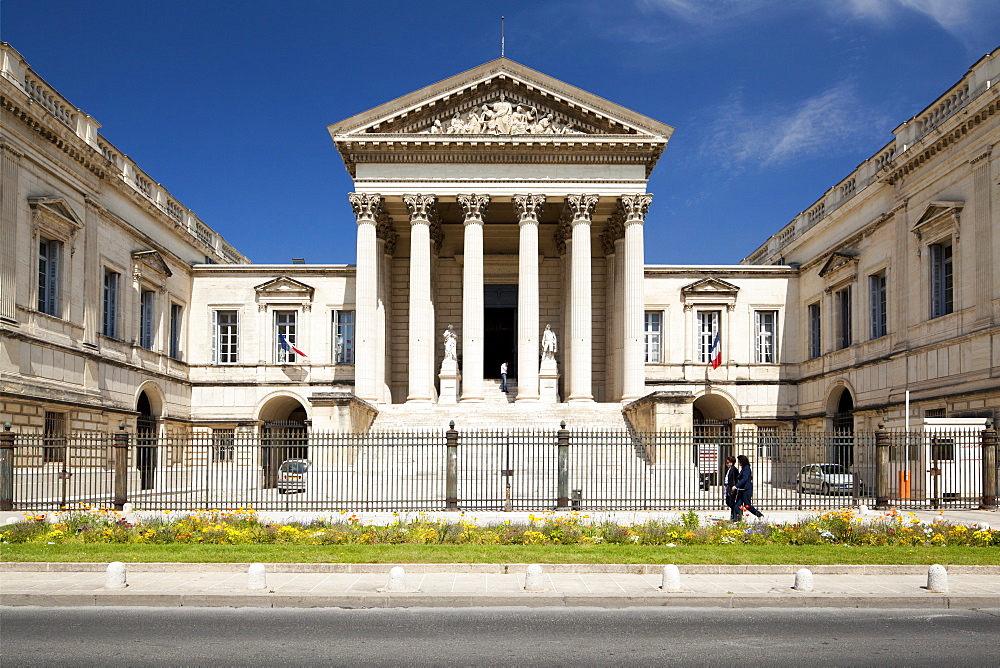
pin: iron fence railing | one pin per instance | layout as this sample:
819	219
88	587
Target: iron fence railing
296	469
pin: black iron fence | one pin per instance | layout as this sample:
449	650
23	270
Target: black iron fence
296	469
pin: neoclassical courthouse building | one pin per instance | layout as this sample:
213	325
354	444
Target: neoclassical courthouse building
496	203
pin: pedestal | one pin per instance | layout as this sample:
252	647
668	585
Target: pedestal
548	382
449	378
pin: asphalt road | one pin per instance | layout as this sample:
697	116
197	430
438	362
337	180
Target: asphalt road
496	636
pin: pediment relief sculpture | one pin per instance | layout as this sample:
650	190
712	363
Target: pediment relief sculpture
503	118
284	290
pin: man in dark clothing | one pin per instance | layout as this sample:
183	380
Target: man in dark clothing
732	474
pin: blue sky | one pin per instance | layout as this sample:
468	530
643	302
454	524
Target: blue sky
226	103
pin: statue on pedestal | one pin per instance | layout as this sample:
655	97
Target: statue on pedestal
549	344
450	344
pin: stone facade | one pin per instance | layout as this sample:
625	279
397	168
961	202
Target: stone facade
497	202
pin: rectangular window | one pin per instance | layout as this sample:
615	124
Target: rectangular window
175	331
708	327
109	322
54	447
652	333
942	286
223	445
943	448
876	298
843	301
343	337
285	326
766	328
146	304
225	337
48	276
767	443
815	336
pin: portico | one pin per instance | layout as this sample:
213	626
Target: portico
500	180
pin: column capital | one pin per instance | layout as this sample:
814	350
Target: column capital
421	207
474	207
367	206
581	207
633	208
528	207
613	232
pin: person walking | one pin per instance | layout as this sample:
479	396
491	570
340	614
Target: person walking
744	487
503	376
729	488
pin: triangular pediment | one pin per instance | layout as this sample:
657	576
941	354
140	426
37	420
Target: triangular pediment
500	98
284	288
152	259
57	211
936	211
838	260
710	286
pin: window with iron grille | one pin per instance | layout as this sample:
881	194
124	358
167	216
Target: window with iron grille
49	252
146	309
223	445
652	335
54	446
942	285
943	448
843	301
109	321
174	349
877	301
343	337
767	442
708	327
285	325
766	329
815	331
225	337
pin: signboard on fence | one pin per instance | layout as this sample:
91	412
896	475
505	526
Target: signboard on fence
708	458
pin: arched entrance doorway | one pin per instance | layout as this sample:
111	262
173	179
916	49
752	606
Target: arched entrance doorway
841	448
284	435
712	422
145	441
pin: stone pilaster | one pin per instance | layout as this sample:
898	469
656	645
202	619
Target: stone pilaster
421	379
10	191
581	208
366	210
633	209
474	210
528	208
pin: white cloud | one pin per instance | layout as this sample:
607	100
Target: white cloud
825	124
952	15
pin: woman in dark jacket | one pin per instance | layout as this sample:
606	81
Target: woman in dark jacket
732	495
744	487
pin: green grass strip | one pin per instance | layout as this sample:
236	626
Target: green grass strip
504	554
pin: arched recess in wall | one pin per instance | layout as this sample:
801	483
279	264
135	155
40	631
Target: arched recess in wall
712	421
840	409
284	434
149	406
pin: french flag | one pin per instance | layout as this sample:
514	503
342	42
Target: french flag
287	347
715	356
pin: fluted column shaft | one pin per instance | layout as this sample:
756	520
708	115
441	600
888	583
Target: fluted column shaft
366	209
634	209
420	344
474	208
582	209
528	208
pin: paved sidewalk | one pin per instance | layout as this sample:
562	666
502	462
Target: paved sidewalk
459	585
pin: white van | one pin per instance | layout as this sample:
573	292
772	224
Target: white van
952	454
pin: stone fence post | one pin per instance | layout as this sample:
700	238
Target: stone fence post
451	486
989	441
562	445
882	443
6	468
121	467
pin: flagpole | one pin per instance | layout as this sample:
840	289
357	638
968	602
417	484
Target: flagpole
501	37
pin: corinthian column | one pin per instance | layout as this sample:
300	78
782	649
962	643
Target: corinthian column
366	210
528	208
581	208
633	209
474	208
421	379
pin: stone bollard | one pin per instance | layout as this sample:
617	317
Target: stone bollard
115	578
803	580
671	578
256	576
937	579
397	579
534	579
128	508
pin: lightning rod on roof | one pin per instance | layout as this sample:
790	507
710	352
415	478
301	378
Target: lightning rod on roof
501	37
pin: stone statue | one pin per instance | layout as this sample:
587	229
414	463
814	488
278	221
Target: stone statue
503	118
450	344
549	344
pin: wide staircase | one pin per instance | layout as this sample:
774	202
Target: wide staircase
499	411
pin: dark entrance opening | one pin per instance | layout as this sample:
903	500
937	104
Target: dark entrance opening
145	441
281	440
842	446
499	330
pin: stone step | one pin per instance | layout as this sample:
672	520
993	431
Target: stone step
491	415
